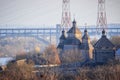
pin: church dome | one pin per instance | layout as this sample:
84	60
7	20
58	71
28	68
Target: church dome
74	29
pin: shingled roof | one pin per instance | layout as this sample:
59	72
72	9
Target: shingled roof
103	42
72	41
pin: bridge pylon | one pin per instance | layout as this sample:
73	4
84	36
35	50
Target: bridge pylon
66	15
101	16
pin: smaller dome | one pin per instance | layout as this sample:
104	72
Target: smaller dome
74	21
85	36
103	32
85	30
63	35
63	31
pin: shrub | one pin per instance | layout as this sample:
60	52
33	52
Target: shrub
51	55
18	72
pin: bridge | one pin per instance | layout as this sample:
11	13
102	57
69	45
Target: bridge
46	34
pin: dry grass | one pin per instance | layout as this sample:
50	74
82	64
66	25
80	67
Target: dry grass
106	72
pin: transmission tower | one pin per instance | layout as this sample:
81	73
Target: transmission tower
101	19
66	15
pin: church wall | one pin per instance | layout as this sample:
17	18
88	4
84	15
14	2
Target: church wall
70	47
85	54
61	41
104	56
98	57
88	54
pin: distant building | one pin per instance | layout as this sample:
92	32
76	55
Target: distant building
75	41
118	54
104	50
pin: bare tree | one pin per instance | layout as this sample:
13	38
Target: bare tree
71	56
51	55
116	41
18	72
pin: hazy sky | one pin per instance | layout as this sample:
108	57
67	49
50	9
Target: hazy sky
48	12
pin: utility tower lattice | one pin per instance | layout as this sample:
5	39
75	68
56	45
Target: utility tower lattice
101	19
66	15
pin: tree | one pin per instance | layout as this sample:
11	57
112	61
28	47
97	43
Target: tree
18	72
51	55
116	41
71	56
94	41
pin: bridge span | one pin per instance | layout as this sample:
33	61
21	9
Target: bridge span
48	33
